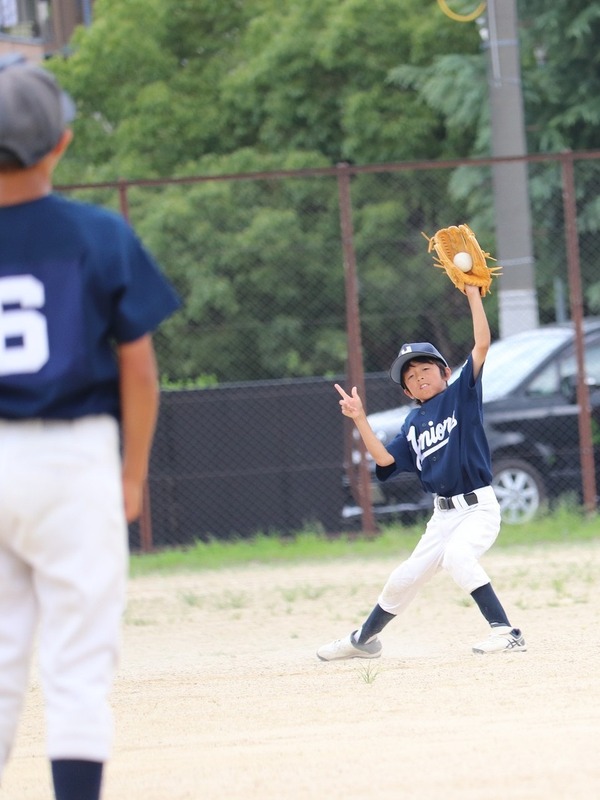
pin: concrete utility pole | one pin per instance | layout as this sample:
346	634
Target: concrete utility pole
517	297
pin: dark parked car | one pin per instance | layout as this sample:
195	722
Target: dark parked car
531	419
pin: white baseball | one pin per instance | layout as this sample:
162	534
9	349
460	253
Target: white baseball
463	261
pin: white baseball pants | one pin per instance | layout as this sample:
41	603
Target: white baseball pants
63	571
454	540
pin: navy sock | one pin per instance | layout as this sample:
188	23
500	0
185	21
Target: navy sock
76	779
489	605
375	622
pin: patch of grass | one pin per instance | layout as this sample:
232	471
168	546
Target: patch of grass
293	593
192	599
270	549
562	525
138	621
232	600
465	601
368	673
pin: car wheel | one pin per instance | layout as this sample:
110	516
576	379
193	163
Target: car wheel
519	488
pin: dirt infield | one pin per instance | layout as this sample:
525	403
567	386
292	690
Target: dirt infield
220	695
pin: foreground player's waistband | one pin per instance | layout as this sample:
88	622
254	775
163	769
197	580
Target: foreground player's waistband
38	423
464	500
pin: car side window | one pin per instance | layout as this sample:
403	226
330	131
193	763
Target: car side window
563	372
546	382
592	363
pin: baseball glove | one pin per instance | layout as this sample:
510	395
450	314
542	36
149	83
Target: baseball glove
460	239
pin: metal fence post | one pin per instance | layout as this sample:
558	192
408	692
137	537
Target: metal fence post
586	447
123	198
360	480
146	541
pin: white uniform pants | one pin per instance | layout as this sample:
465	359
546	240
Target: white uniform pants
454	540
63	570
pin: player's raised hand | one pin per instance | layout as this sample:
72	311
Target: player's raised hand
351	405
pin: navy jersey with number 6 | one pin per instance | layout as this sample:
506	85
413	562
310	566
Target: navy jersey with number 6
443	440
74	282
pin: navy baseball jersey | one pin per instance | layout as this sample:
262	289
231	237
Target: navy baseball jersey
443	440
74	282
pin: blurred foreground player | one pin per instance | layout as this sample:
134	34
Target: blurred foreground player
79	299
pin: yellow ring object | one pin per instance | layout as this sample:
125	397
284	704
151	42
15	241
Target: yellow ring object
461	17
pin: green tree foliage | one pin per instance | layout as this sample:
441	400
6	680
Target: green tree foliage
562	68
321	82
258	263
161	83
561	65
560	80
202	87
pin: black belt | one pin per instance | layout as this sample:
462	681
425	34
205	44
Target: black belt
446	503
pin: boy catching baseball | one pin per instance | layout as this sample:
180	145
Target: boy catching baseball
79	299
444	443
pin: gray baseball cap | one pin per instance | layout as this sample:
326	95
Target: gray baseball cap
34	111
413	350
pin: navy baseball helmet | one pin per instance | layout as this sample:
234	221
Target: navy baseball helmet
413	350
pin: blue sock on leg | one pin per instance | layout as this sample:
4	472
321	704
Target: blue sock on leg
76	779
374	624
489	605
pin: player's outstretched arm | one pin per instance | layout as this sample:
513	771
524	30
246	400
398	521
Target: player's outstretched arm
481	328
139	411
352	407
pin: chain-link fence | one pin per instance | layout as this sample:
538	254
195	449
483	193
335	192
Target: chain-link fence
292	281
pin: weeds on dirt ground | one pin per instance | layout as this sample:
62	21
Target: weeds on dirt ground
368	673
306	592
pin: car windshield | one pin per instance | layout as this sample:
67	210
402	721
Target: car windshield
510	360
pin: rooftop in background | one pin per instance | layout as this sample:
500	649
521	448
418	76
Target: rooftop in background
41	29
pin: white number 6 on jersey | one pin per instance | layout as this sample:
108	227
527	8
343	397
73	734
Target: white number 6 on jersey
23	329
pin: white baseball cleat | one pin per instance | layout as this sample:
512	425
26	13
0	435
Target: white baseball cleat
502	639
347	648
